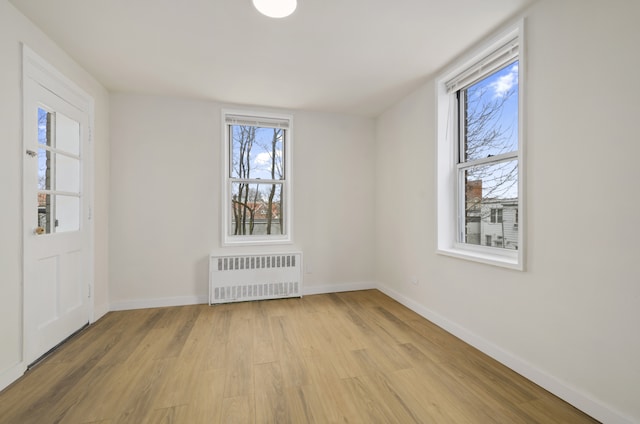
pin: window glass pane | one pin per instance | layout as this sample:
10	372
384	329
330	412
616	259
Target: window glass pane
491	115
67	134
256	209
67	213
256	152
491	205
67	174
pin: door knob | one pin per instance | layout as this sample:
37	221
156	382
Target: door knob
38	231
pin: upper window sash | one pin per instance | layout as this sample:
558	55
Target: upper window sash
275	171
467	147
498	58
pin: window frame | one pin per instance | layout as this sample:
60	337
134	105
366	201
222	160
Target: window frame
450	187
263	120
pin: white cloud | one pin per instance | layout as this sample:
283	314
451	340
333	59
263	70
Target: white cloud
502	86
264	158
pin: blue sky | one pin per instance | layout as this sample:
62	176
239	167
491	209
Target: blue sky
261	152
501	88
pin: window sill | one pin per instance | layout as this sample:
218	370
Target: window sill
506	259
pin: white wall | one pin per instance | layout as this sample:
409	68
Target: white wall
570	321
165	199
334	191
14	30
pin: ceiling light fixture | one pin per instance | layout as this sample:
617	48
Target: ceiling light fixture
275	8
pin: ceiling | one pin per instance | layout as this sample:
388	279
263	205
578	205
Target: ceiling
345	56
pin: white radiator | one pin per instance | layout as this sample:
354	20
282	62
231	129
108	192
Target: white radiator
253	277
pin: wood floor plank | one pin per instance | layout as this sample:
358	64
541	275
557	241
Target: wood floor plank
218	338
263	342
428	400
270	403
185	322
313	336
368	403
305	406
355	357
329	334
333	395
368	311
171	415
238	410
289	352
137	399
206	397
173	388
142	321
200	336
346	335
239	359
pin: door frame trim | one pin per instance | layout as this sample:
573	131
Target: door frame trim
39	71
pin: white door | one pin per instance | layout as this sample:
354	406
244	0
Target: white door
57	236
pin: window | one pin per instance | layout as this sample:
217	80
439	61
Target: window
480	154
496	216
257	179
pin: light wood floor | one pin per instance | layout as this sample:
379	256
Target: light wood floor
356	357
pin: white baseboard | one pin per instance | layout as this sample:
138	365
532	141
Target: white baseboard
11	374
337	288
158	302
573	396
126	305
99	311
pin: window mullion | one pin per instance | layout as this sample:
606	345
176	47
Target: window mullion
488	160
462	134
256	181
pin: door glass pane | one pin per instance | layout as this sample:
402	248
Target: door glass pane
44	169
67	134
45	212
491	205
44	127
67	213
67	174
